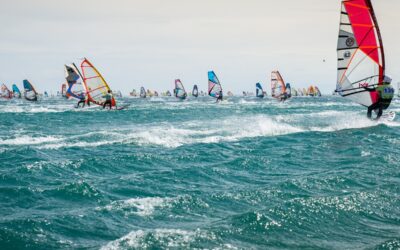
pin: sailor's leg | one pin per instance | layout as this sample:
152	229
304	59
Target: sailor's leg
369	112
380	111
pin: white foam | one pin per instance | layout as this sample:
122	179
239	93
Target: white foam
166	238
142	206
28	140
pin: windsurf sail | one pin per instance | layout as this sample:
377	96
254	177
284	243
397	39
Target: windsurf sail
95	84
30	92
278	87
16	92
361	58
142	92
317	92
294	91
195	91
214	86
64	90
180	91
5	92
288	90
168	93
259	90
46	94
76	89
310	91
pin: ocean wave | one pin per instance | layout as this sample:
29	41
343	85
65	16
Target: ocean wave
139	206
162	238
228	129
29	140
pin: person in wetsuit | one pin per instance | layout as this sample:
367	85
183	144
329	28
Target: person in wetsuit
108	101
82	99
219	98
384	94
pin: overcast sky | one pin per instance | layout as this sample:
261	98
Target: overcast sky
153	42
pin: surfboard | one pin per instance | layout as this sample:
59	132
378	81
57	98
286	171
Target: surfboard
390	116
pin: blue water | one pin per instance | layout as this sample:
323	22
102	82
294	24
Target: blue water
164	174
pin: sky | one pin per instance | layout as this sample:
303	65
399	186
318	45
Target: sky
151	43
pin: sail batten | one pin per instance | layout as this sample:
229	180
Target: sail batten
95	85
214	86
5	92
278	86
30	92
361	62
179	90
76	89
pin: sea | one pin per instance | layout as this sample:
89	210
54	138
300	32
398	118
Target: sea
246	173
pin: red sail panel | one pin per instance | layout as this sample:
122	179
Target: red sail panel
363	28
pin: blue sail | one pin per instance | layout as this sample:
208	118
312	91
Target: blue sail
259	90
214	86
16	92
288	90
30	92
75	87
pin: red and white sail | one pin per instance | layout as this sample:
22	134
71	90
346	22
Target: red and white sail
361	60
278	86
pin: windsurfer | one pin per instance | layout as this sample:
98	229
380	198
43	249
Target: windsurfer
219	98
383	94
109	98
82	100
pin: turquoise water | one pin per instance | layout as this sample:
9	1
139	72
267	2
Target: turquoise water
244	174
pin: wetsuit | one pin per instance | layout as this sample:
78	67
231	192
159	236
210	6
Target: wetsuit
385	94
82	100
219	98
108	101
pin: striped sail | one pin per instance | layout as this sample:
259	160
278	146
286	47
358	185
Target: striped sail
214	86
95	84
278	87
76	89
5	92
361	61
180	91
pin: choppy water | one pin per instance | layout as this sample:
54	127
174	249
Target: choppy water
243	174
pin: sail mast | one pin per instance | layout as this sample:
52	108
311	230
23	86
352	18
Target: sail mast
378	31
